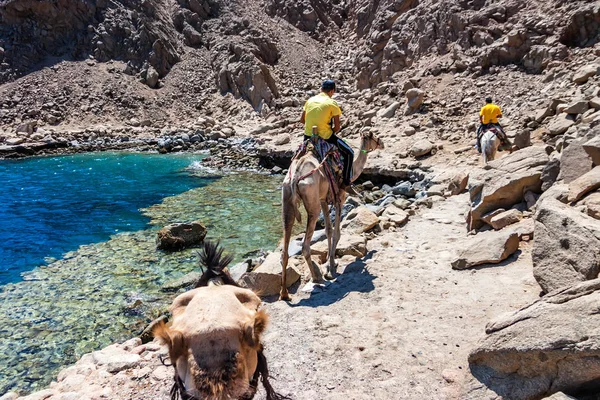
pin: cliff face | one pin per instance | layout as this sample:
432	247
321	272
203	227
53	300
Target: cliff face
257	50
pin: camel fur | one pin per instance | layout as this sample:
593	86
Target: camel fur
312	191
214	339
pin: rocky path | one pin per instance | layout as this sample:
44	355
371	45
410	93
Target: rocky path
400	323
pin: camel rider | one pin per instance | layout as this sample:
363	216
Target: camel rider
318	111
488	116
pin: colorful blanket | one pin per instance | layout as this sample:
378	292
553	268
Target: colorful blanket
333	165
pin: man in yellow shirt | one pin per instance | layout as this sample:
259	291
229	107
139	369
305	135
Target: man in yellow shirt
488	116
320	111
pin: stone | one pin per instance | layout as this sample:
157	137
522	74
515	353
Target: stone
179	236
389	111
486	248
40	395
506	218
487	218
360	220
592	148
584	184
559	396
577	107
351	245
409	131
574	162
415	98
550	171
9	396
560	124
524	229
26	127
403	204
396	215
187	280
521	138
595	103
421	148
505	182
542	113
458	183
282	139
584	73
266	279
14	141
115	359
547	346
592	204
566	249
152	77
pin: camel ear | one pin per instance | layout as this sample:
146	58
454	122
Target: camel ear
254	330
172	338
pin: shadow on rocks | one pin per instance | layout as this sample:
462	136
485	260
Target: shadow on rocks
511	259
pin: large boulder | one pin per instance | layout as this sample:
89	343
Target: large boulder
584	184
486	248
179	236
505	183
561	123
389	111
506	218
266	279
592	204
574	162
421	148
584	73
548	346
396	215
360	220
566	249
458	183
592	147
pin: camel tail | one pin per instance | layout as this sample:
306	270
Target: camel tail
295	200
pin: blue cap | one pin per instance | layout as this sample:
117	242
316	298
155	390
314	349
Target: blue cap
328	85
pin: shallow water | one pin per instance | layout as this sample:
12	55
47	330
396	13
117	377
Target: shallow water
108	289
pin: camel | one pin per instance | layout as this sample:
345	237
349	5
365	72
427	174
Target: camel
312	190
214	340
489	145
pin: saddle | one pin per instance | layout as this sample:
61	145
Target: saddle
505	143
329	158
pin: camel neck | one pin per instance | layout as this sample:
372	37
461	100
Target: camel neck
359	163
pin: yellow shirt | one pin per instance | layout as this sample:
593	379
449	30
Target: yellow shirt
490	113
319	110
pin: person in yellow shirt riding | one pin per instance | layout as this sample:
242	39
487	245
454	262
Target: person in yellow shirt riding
488	116
320	111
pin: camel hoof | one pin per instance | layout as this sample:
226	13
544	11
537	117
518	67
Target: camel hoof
330	276
285	298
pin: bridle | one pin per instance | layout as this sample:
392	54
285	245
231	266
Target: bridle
365	140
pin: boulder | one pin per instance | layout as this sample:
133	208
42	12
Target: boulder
396	215
360	220
560	124
415	98
592	204
179	236
592	148
574	162
389	111
595	103
266	279
351	245
524	229
584	73
486	248
113	359
506	218
458	183
151	77
550	345
521	138
26	127
584	184
567	246
559	396
187	280
577	107
421	148
505	183
551	171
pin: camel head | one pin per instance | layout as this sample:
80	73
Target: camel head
214	339
370	142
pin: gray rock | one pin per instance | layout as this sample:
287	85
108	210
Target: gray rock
567	246
421	148
389	111
266	279
506	218
152	77
486	248
574	161
584	184
592	147
584	73
550	171
114	359
577	107
548	346
187	280
560	124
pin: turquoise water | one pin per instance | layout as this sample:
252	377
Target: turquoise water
96	216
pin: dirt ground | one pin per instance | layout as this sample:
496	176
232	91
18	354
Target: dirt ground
400	323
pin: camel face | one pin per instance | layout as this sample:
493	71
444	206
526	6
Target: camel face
371	142
214	341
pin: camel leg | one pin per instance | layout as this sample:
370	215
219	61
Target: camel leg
331	270
328	227
313	214
289	215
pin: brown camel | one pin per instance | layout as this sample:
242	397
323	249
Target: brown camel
214	340
312	190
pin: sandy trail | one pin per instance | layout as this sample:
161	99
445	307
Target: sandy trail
400	323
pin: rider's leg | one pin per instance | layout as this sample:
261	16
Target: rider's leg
347	154
479	130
